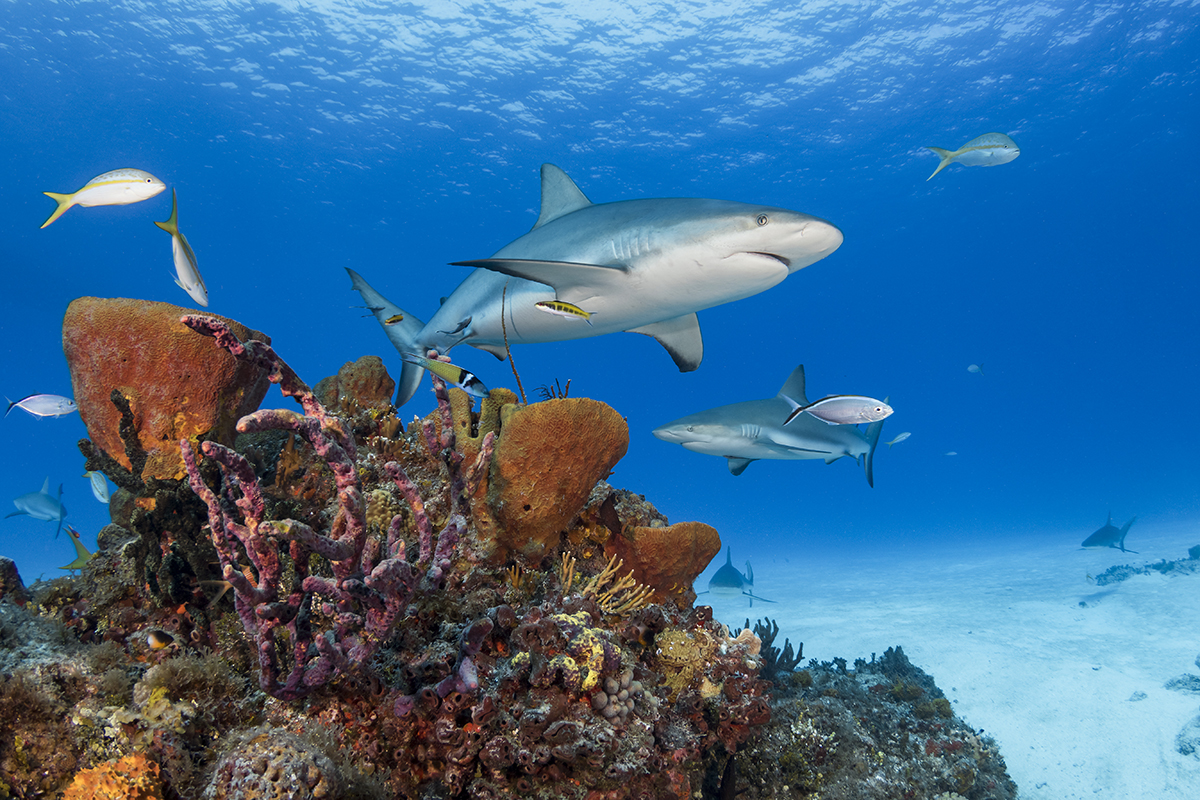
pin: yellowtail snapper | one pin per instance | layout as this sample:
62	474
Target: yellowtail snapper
842	409
989	150
185	260
450	374
393	319
560	308
82	556
117	188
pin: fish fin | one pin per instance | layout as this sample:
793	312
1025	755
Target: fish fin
562	276
15	514
46	485
873	431
560	195
749	574
171	226
754	597
11	405
946	156
1125	532
495	349
737	465
681	338
64	201
797	409
793	388
403	334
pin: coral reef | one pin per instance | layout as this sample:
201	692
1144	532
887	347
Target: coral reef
361	384
1180	566
273	764
11	585
668	559
775	660
130	778
178	386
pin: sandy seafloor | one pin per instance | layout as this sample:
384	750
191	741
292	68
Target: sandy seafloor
1000	626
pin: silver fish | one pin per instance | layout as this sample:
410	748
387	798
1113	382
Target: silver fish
187	273
99	486
44	405
842	409
900	438
989	150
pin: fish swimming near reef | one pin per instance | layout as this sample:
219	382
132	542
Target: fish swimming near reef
44	405
99	486
41	505
644	266
1110	536
843	409
753	430
186	272
449	373
82	556
728	581
117	188
989	150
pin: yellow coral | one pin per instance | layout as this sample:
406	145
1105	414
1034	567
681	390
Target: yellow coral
130	778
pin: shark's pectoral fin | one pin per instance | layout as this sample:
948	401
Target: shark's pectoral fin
562	276
681	338
736	465
15	514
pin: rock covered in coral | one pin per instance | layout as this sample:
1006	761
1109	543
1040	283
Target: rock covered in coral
361	384
548	457
11	585
669	558
130	778
178	385
274	764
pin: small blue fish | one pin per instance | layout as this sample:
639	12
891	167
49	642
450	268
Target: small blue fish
99	486
41	505
44	405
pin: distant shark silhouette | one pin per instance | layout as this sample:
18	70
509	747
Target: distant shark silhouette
729	582
41	505
1110	536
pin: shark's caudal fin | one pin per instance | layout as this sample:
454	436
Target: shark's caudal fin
1124	533
873	431
946	156
402	335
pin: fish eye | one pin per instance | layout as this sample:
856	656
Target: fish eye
762	219
690	428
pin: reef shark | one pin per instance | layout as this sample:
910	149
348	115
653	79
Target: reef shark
1110	536
745	432
644	266
41	505
728	581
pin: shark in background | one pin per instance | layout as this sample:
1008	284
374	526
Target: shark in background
728	581
1110	536
753	430
41	505
643	266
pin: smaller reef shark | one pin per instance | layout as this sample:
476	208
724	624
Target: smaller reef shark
41	505
745	432
1110	536
730	582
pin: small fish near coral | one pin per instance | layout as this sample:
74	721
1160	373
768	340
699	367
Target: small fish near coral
989	150
41	505
730	582
99	486
1110	536
599	255
187	273
449	373
117	188
753	430
43	405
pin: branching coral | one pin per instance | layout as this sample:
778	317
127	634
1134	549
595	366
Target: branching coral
368	588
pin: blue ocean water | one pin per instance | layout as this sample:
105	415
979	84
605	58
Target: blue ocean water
303	138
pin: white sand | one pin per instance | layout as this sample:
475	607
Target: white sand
1003	634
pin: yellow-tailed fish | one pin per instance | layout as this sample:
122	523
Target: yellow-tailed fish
562	308
843	409
989	150
450	374
188	274
82	555
117	188
899	439
393	319
158	640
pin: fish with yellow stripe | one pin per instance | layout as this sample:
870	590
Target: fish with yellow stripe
561	308
117	188
188	274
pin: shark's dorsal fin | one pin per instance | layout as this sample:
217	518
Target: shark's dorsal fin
560	195
793	388
46	486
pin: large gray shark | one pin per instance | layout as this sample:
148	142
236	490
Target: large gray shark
41	505
1110	536
645	266
745	432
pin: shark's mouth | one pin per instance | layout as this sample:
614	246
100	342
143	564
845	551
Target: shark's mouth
786	262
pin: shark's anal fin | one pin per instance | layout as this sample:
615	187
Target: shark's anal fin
681	338
560	195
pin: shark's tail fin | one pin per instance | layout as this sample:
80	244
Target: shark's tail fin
946	156
873	431
1124	532
403	334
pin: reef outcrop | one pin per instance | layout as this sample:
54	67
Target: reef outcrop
176	383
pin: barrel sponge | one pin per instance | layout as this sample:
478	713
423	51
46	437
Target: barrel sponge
547	459
667	559
274	764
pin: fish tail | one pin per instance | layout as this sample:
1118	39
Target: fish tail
171	226
873	431
64	201
403	335
946	156
11	403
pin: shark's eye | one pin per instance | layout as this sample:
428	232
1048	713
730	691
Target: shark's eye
690	428
762	219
